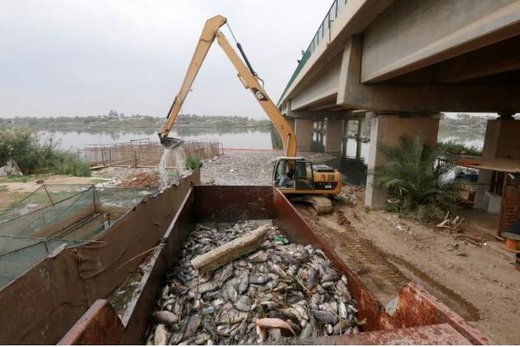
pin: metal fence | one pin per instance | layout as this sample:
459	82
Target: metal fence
144	153
324	29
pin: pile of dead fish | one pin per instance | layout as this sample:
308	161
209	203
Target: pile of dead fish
279	291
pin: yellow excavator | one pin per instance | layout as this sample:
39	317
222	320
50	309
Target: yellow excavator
294	176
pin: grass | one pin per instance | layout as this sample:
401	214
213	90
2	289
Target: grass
193	162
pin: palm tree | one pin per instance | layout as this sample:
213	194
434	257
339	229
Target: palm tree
415	180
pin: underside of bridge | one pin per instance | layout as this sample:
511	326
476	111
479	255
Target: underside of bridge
403	63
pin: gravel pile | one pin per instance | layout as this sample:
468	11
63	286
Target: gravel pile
238	167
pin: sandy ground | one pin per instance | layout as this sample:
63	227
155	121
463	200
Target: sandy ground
478	282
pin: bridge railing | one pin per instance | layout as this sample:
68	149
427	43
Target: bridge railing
324	28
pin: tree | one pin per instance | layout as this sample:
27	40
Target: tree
416	180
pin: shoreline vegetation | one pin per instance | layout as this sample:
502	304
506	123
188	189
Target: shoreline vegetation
115	121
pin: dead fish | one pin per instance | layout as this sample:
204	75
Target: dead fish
230	294
192	325
270	323
208	287
209	310
202	338
329	329
210	326
312	279
244	304
289	312
329	276
258	279
275	334
244	283
352	308
343	290
270	305
325	317
259	257
231	316
306	331
277	269
160	335
165	317
226	273
327	285
342	310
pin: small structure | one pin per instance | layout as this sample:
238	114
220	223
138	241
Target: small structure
501	194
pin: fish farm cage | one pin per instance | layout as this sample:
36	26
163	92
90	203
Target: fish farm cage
144	153
54	217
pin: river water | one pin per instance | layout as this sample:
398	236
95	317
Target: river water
73	140
352	163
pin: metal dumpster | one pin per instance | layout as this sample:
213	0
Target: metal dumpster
414	316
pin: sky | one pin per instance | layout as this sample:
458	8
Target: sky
86	57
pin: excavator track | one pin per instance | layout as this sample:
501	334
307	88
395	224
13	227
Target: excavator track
320	203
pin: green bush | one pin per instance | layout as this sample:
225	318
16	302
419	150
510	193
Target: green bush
415	180
32	153
454	148
193	162
69	164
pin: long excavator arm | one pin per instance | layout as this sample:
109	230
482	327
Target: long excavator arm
211	32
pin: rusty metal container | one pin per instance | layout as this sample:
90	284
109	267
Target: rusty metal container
413	317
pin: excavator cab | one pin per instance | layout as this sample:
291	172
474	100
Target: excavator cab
293	173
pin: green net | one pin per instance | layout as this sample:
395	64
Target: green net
56	216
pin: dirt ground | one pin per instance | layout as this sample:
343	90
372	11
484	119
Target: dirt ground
478	282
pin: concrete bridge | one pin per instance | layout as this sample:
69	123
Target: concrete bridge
399	64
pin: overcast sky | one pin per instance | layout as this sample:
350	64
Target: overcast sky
85	57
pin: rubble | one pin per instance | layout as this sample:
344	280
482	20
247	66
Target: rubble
143	180
281	290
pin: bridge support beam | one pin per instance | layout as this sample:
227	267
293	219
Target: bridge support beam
303	131
333	136
386	130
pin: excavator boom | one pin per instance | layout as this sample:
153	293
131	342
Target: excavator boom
246	75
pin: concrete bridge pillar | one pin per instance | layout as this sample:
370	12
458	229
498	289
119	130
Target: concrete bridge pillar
387	129
303	130
333	136
344	139
502	140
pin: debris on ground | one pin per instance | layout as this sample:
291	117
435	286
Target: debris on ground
281	290
10	169
143	180
450	223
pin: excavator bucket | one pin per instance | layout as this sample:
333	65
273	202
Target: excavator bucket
171	142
